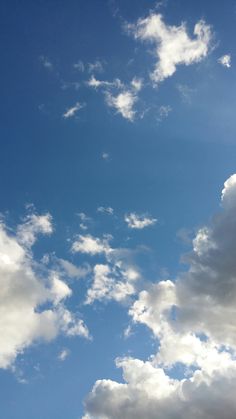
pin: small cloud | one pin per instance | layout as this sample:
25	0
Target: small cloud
63	355
128	332
96	67
73	110
139	222
70	85
105	156
123	103
95	83
79	66
88	244
185	92
137	84
163	112
106	210
225	60
46	62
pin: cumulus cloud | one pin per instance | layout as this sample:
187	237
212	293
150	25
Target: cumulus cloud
112	282
139	222
71	112
148	391
25	289
91	245
193	320
225	60
173	44
123	103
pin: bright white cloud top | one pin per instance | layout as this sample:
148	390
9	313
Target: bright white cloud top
173	44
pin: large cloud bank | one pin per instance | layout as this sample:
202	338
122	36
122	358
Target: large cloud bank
193	319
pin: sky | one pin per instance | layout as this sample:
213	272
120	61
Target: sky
118	209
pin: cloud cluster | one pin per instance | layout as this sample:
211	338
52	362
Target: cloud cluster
173	44
193	320
31	300
113	280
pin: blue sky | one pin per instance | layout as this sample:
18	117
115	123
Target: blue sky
116	241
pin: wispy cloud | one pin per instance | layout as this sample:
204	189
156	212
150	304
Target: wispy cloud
71	112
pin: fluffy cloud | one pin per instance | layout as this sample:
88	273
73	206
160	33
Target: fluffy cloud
123	103
148	391
193	320
25	289
139	222
173	44
225	60
91	245
112	282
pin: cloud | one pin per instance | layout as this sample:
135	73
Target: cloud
106	210
93	82
123	103
96	66
63	355
46	62
186	92
76	272
173	44
73	110
105	156
26	288
91	245
193	321
139	222
79	66
225	60
112	282
163	112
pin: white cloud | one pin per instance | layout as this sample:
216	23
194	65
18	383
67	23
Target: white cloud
63	355
112	282
173	44
148	391
73	271
225	60
137	84
123	103
91	245
25	288
96	66
139	222
193	320
163	112
93	82
73	110
106	210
